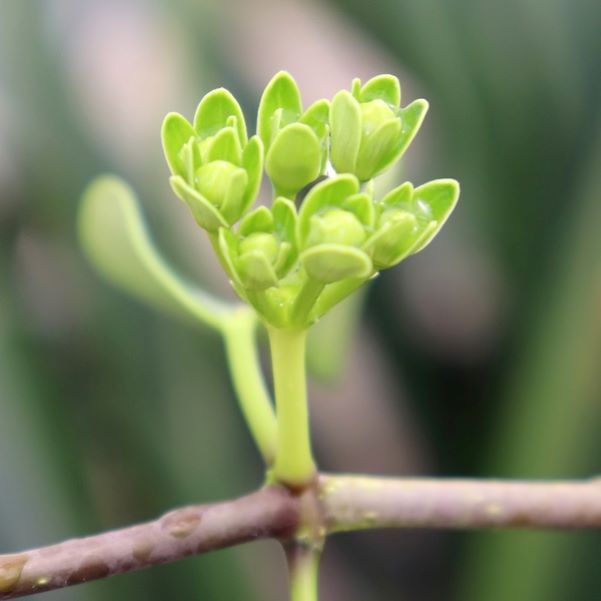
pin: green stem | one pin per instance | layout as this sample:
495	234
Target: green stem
294	463
305	300
303	568
245	368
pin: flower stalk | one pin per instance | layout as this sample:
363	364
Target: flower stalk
294	464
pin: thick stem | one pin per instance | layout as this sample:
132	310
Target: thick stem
245	368
303	570
294	465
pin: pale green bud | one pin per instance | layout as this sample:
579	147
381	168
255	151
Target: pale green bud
336	226
373	115
261	242
215	181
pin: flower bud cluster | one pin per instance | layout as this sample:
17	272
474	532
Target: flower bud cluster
282	258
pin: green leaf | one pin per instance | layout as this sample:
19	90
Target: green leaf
412	116
214	111
259	220
372	158
252	163
225	146
329	263
280	93
205	214
175	132
329	193
345	127
294	159
115	239
384	87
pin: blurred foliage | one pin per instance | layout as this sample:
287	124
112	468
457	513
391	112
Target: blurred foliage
111	413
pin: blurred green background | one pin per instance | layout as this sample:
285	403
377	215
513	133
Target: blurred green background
479	357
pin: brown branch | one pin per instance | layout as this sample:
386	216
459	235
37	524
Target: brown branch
270	512
358	502
335	504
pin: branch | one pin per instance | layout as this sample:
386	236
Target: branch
358	502
345	503
268	513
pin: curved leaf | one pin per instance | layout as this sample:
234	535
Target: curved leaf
115	240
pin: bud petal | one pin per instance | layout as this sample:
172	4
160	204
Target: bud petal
336	226
345	125
214	111
383	87
375	147
330	193
294	159
175	132
224	146
213	181
394	240
329	263
205	214
440	197
280	93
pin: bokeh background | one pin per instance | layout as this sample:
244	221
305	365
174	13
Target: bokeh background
479	357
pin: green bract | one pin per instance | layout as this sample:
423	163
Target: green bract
292	265
216	169
295	141
369	129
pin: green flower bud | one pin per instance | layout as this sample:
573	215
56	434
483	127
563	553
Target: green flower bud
265	244
396	234
409	219
257	255
336	226
369	130
216	169
215	181
264	249
373	114
296	142
331	230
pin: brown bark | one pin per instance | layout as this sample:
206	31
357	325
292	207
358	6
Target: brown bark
336	504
